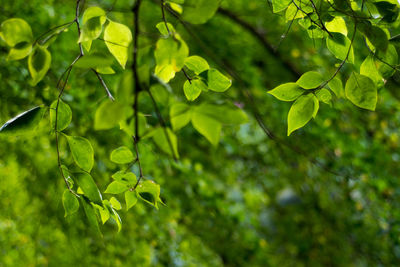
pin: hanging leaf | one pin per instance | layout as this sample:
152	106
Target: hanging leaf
340	45
89	187
115	203
116	187
130	199
217	81
207	126
193	89
117	38
92	24
170	56
149	192
301	111
108	115
287	92
23	123
82	152
310	80
280	5
64	116
122	155
180	115
196	64
91	216
20	51
70	203
337	87
167	141
38	64
15	31
125	177
361	91
199	11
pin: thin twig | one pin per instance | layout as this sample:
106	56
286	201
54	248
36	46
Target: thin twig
110	96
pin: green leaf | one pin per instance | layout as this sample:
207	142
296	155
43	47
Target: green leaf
310	80
324	95
15	31
130	199
94	60
92	24
170	56
196	64
199	11
23	123
122	155
230	115
361	91
339	46
336	86
116	187
115	203
125	177
64	116
82	152
168	145
89	187
104	212
301	112
280	5
20	51
207	126
217	81
39	62
70	203
287	92
337	25
386	60
91	216
180	115
108	115
193	89
117	38
163	29
149	192
368	68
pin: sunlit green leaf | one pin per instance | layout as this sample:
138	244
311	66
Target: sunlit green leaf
14	31
64	115
89	187
117	38
180	115
116	187
82	152
340	47
149	192
193	89
301	111
130	199
122	155
199	11
361	91
310	80
217	81
70	203
39	62
196	64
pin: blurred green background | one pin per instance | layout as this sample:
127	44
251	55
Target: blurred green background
250	201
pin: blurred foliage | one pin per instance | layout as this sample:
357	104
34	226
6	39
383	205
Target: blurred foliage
328	195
